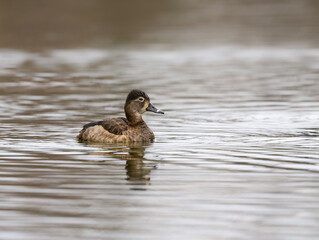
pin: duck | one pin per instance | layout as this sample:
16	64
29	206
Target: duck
129	129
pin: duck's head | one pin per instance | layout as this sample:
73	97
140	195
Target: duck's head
137	103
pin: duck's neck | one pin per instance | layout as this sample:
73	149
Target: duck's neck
133	117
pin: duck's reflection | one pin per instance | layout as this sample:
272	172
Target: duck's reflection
137	170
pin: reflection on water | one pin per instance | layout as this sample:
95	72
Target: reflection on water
133	153
235	155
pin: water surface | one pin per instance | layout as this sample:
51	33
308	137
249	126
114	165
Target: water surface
236	153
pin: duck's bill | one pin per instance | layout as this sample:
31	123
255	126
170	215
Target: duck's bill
151	108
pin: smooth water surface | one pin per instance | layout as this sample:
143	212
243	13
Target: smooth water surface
235	156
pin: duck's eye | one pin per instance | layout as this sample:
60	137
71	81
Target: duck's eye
141	99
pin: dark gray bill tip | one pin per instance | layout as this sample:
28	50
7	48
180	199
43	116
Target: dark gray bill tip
151	108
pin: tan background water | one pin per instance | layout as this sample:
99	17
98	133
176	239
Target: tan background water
236	154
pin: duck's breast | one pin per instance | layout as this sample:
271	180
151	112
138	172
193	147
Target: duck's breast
139	133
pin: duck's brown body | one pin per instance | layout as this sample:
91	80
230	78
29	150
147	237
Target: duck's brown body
123	130
116	130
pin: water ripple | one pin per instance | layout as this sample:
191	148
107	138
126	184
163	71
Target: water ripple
234	156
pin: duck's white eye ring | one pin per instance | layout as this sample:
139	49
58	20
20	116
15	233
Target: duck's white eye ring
141	99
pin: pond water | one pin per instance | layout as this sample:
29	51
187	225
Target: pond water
235	156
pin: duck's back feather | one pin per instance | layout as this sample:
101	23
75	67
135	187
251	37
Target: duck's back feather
114	126
91	124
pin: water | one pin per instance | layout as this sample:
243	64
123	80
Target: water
235	155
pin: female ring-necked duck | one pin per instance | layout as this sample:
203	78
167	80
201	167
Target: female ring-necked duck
129	129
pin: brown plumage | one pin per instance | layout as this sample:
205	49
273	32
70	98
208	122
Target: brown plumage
129	129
